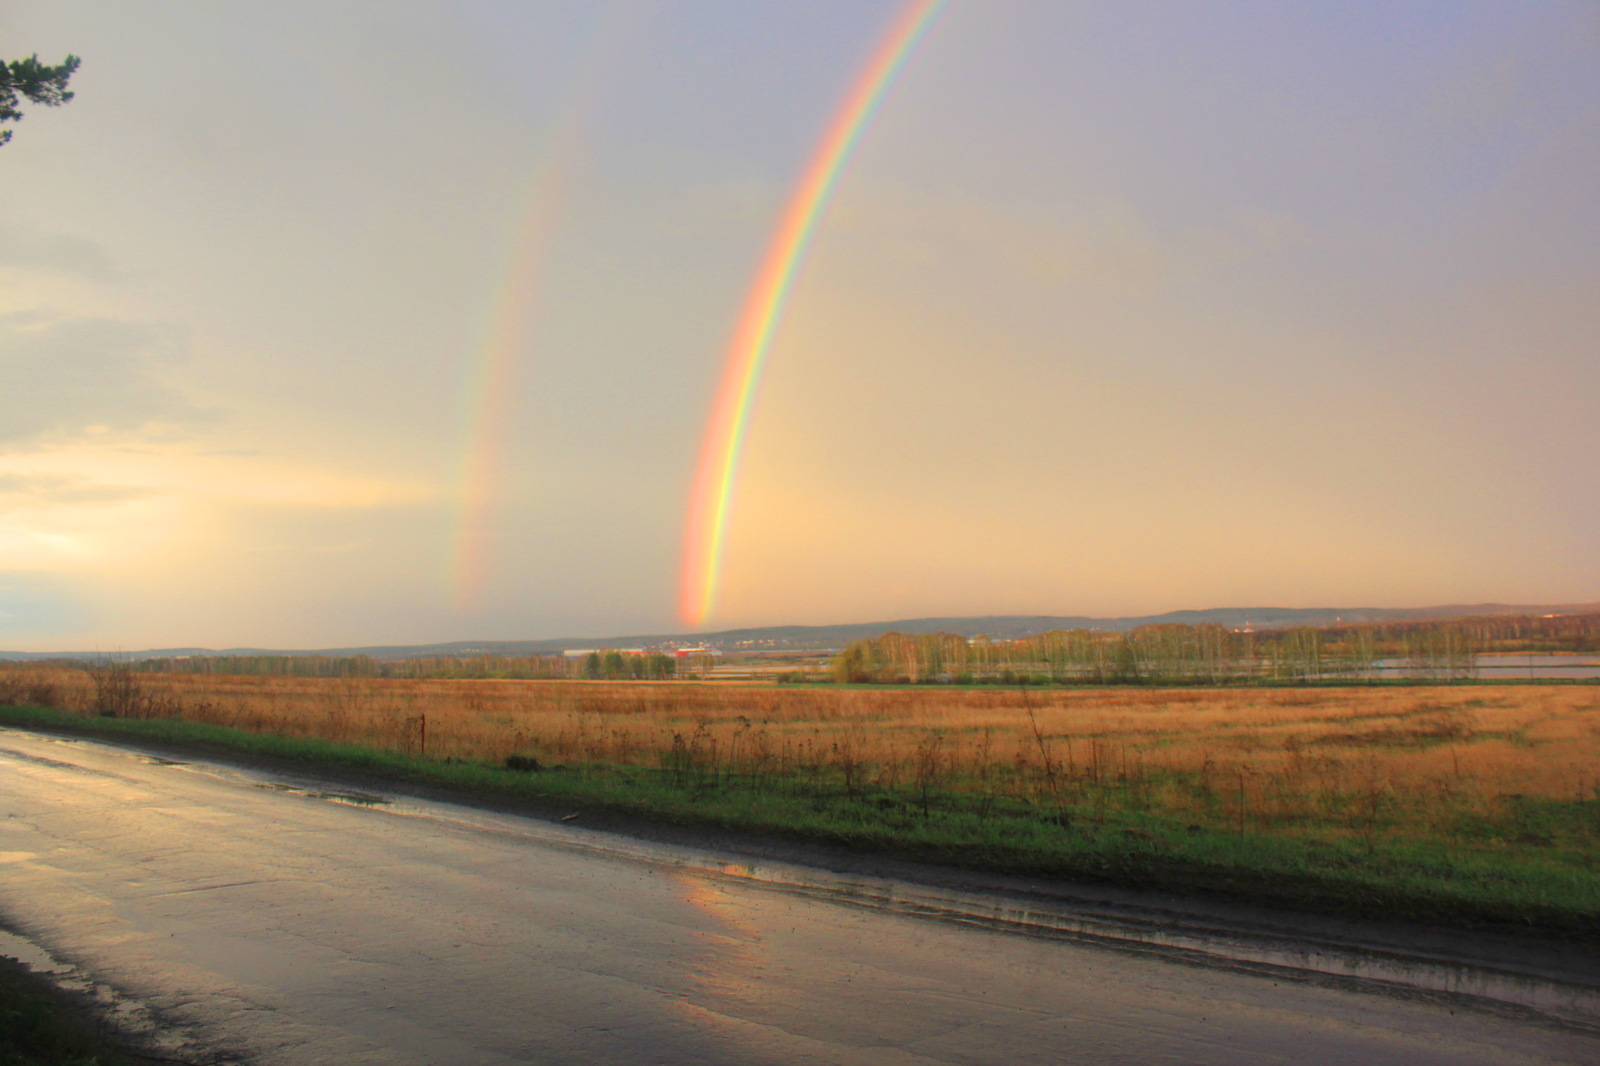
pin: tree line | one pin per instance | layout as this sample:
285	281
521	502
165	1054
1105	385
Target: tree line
598	665
1500	633
1164	654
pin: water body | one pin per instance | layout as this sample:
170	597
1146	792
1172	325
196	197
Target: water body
1513	667
1535	666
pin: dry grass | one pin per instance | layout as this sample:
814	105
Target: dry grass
1251	757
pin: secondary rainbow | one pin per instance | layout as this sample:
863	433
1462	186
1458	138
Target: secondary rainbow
490	391
711	500
508	334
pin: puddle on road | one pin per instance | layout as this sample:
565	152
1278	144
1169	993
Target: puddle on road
156	760
349	796
30	954
57	764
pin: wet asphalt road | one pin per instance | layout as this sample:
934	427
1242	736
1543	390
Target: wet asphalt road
269	924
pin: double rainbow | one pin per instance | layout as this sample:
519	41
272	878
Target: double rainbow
718	469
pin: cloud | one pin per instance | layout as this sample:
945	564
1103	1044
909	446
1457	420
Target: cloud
341	548
26	246
70	379
48	490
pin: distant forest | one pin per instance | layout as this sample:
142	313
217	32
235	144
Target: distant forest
595	666
1212	654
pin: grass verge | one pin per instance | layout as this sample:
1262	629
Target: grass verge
1548	886
40	1025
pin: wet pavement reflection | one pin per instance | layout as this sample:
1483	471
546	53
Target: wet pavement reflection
281	920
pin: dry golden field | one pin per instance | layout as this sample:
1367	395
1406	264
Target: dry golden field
1272	756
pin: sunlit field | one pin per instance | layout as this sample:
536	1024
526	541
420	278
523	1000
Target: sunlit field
1361	760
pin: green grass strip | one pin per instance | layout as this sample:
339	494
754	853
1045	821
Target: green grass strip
40	1025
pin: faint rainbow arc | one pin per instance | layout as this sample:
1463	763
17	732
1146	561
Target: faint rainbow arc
711	499
490	390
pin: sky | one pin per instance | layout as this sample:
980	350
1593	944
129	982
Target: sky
334	323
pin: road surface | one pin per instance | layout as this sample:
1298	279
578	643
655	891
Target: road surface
264	919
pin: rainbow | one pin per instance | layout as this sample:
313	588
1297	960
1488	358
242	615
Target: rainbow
718	468
509	329
491	387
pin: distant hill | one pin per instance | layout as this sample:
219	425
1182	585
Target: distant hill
822	638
